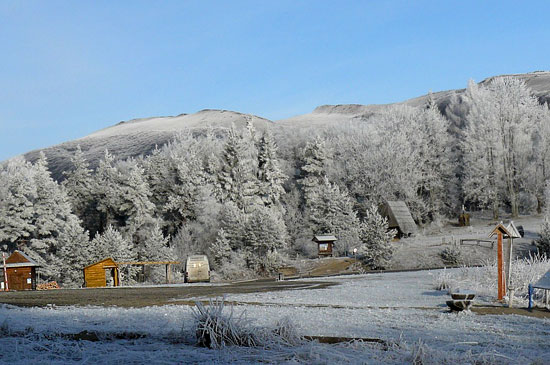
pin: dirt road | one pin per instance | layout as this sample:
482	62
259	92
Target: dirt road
147	296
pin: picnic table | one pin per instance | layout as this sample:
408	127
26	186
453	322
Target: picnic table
461	300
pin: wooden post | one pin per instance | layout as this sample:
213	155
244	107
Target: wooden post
500	267
5	272
509	264
168	274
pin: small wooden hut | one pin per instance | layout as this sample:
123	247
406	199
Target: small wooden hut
21	272
100	273
399	217
325	244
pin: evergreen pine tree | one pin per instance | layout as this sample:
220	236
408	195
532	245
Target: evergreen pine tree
314	166
235	181
155	248
375	239
270	175
17	203
81	189
112	244
220	249
331	210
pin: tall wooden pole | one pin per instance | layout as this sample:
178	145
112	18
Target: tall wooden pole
500	264
5	272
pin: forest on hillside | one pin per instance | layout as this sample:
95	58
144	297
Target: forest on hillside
250	199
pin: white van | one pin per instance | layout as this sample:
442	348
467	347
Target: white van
197	269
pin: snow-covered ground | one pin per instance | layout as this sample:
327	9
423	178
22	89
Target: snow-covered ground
402	309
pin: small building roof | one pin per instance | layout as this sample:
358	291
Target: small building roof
20	259
500	228
324	238
514	233
543	282
399	216
109	262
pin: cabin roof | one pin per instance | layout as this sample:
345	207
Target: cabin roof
324	238
500	228
399	216
543	282
20	259
110	260
514	233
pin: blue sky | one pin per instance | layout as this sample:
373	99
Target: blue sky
68	68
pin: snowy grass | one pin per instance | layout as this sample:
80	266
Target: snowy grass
402	309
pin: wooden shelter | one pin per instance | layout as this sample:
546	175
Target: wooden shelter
325	244
399	217
100	273
167	265
20	272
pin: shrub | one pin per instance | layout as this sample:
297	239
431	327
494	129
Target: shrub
451	256
216	329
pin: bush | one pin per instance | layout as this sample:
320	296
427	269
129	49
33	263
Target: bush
216	329
451	256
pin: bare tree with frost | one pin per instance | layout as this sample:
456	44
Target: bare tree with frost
497	141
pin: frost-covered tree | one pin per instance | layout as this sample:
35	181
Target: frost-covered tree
155	248
17	202
112	244
72	253
220	249
264	235
235	181
233	221
134	207
539	167
184	198
433	148
80	186
270	176
107	193
330	210
497	141
375	248
314	164
37	216
123	195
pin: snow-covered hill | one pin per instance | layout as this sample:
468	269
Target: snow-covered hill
140	136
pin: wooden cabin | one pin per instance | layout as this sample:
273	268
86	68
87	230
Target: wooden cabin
21	272
399	217
102	273
325	244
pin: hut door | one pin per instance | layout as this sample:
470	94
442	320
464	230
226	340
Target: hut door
16	282
109	277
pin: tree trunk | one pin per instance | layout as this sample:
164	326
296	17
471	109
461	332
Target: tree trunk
515	205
